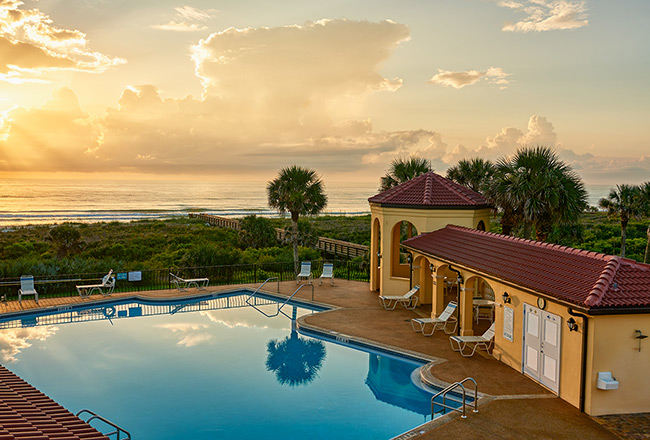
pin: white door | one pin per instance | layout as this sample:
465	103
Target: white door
541	349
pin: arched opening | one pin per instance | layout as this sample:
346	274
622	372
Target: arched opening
480	226
424	276
375	256
482	296
400	266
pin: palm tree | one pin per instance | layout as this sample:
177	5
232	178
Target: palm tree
536	188
298	191
623	202
403	170
645	203
476	174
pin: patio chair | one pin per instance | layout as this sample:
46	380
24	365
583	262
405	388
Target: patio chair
441	322
183	284
483	342
409	300
305	271
27	288
105	288
328	272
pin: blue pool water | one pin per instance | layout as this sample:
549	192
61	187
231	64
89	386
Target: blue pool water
213	368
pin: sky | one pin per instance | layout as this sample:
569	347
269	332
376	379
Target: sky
238	89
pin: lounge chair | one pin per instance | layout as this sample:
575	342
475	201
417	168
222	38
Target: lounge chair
305	271
105	288
483	342
27	288
182	284
409	300
328	272
441	322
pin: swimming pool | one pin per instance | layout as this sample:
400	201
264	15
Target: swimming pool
212	368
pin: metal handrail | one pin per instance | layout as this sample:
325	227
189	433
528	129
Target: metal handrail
450	388
258	289
118	431
283	304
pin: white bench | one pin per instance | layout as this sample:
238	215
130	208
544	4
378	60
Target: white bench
182	284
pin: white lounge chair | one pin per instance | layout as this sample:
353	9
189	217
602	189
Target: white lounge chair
483	342
182	284
409	300
328	272
305	271
105	288
27	288
441	322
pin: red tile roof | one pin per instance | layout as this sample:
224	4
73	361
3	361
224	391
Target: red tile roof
27	413
430	190
590	280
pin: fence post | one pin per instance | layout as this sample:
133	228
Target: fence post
348	271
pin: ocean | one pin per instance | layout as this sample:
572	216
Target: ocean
24	202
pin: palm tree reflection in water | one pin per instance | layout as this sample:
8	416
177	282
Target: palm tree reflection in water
295	360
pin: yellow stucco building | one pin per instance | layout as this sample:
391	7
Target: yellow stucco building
573	320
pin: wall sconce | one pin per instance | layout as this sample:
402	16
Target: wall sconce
572	324
640	336
409	258
507	299
432	267
378	260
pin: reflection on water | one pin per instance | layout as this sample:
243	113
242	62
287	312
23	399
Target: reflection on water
217	363
295	360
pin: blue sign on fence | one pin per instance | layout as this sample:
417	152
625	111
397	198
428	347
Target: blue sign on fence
121	276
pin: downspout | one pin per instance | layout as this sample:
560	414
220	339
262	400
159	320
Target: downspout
459	281
583	366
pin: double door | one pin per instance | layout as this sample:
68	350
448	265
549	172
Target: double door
541	346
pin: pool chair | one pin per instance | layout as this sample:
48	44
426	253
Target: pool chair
445	319
409	300
182	284
483	342
105	288
328	272
305	271
27	288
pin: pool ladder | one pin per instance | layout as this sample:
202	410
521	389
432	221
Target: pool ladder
450	388
280	306
117	430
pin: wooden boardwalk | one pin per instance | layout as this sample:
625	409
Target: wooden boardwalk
328	245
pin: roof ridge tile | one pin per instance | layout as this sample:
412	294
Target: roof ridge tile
604	281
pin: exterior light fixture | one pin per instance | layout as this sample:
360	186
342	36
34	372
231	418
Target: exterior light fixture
378	260
432	267
409	258
507	299
640	336
572	324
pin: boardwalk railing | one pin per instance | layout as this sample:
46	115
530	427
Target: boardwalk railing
329	245
134	280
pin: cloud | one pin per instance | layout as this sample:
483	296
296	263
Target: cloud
190	334
30	46
13	341
188	19
547	15
458	80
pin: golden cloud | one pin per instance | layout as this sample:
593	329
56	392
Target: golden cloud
547	15
31	46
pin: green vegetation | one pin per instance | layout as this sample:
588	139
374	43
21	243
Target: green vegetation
403	170
159	244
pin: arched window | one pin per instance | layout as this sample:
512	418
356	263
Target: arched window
480	226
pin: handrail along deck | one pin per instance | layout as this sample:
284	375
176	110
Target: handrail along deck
450	388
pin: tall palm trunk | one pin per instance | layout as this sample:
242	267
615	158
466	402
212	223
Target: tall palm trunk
623	236
294	228
647	242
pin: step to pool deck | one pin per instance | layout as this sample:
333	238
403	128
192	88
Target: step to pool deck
515	407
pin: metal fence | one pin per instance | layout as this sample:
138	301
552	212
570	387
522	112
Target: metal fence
135	281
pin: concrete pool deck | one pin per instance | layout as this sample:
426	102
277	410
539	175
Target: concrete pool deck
515	406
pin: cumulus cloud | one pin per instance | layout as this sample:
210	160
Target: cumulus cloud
272	96
187	19
12	341
547	15
31	45
458	80
190	334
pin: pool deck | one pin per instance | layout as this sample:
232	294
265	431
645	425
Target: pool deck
513	407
